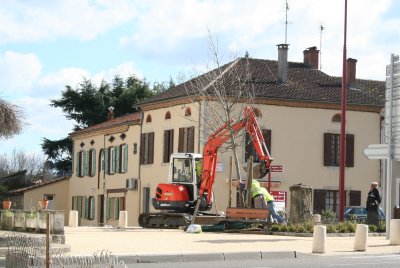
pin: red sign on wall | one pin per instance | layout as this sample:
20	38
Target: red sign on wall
276	168
279	196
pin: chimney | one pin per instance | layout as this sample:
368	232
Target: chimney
282	63
311	57
110	114
351	70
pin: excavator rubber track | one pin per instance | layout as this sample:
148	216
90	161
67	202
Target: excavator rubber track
164	220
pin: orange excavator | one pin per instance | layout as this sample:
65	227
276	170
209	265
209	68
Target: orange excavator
189	188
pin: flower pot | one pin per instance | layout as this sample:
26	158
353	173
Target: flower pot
6	204
43	204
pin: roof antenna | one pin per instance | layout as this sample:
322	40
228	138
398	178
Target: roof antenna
286	21
320	47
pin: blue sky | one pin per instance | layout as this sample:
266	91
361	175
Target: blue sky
47	44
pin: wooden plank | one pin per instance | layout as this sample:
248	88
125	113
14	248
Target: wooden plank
247	213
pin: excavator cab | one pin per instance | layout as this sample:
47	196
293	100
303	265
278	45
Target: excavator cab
181	191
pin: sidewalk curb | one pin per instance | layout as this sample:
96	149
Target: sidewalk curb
217	256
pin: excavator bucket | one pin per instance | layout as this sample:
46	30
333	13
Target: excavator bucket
259	170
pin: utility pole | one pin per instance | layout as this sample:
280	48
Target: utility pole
343	124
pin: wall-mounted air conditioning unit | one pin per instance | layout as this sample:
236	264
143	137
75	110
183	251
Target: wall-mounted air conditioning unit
132	184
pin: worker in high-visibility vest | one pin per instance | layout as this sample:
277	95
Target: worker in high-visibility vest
263	199
257	195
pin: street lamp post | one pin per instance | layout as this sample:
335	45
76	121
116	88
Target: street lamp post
343	124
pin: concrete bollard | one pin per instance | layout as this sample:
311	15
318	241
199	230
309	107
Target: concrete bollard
361	237
319	238
73	218
123	219
395	232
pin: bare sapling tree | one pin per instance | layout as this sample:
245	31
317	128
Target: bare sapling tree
11	117
224	91
19	160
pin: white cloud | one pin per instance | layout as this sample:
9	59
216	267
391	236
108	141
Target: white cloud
123	70
67	76
18	71
82	19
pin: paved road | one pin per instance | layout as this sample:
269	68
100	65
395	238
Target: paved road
369	261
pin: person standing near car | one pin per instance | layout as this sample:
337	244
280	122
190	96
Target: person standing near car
373	201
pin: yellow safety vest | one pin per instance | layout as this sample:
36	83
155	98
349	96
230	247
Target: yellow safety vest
267	195
256	189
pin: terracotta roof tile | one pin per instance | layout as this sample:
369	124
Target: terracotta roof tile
121	120
304	84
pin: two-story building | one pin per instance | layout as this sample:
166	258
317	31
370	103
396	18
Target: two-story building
298	107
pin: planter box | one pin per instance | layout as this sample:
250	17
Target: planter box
31	221
19	220
41	220
7	219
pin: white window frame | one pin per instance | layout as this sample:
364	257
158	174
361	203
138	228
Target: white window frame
102	161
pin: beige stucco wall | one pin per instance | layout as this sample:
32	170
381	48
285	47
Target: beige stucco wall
101	183
59	190
297	144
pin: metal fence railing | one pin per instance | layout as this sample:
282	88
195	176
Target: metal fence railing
30	251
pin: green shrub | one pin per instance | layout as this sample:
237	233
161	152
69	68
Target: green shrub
284	228
381	227
275	228
373	228
291	228
328	216
309	227
331	228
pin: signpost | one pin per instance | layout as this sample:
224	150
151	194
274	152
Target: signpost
391	148
392	125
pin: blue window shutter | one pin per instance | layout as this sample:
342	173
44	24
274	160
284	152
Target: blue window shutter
117	152
106	160
86	208
108	208
93	162
77	165
126	158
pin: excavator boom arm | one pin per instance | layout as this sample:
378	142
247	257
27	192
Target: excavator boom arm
219	137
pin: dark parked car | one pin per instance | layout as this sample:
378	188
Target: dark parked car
360	214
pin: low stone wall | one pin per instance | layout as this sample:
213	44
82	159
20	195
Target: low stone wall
34	222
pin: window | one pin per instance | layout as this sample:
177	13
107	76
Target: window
77	204
257	112
355	198
188	111
337	118
80	163
332	200
186	140
332	149
114	206
326	200
146	199
50	198
123	163
168	115
168	144
101	160
111	160
148	119
92	162
182	170
147	148
250	150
